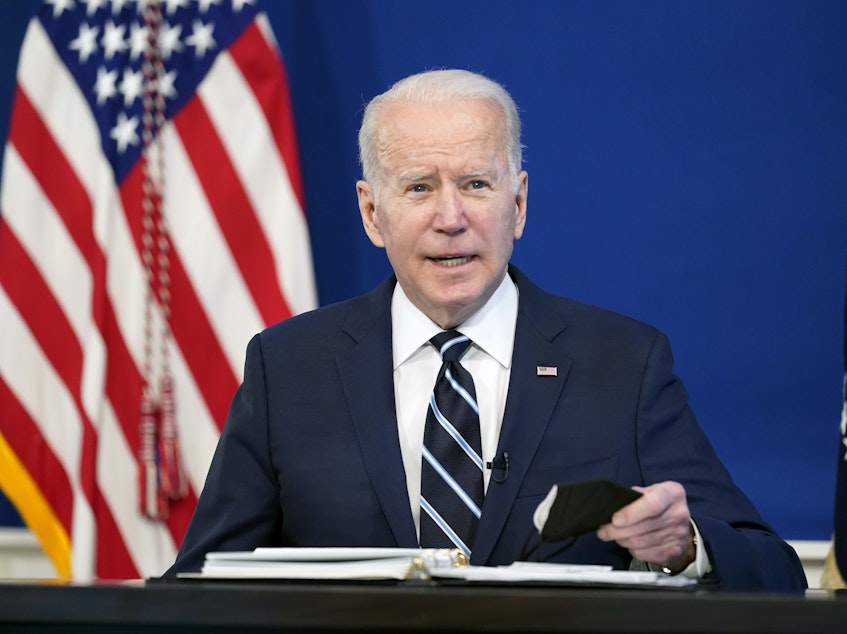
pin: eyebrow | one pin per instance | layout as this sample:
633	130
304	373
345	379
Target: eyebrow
423	176
481	173
415	176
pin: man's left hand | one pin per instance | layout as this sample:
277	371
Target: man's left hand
655	528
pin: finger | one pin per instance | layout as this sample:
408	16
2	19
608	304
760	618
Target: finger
612	532
645	508
655	501
664	544
668	529
667	550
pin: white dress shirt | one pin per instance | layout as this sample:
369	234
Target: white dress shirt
416	366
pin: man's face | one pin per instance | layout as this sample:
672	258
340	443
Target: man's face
447	209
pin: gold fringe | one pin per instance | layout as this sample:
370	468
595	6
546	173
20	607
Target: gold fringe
831	578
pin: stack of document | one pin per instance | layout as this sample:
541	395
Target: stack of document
410	564
310	563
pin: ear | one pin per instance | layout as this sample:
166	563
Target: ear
367	207
520	204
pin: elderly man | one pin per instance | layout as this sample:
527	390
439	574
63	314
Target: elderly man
338	438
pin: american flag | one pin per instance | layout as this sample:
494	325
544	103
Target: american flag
835	565
151	220
840	532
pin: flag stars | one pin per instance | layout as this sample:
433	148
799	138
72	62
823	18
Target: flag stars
166	84
91	6
203	5
85	42
118	6
113	39
124	133
114	43
169	40
60	6
201	38
238	5
137	40
105	86
173	5
131	86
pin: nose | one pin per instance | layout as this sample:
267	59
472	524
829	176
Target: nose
450	211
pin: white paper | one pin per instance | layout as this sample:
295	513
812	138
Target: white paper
396	563
396	568
522	571
315	554
309	563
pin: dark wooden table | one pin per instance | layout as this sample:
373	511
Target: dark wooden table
247	607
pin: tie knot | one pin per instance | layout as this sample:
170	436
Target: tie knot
451	344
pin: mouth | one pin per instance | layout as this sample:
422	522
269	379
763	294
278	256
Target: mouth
451	261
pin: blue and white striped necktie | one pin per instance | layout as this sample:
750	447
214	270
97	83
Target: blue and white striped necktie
451	473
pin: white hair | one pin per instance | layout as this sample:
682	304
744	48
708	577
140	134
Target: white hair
436	87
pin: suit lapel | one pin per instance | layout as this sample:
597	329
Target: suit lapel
529	406
366	372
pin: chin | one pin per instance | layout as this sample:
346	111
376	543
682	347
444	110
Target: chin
460	306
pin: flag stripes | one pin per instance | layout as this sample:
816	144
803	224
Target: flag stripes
260	144
241	231
73	286
253	54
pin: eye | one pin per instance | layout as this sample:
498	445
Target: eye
477	184
417	188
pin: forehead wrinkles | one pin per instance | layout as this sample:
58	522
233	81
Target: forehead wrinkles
474	146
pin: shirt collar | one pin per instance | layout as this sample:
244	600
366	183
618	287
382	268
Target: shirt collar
491	328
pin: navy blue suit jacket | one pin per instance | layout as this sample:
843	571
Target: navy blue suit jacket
310	456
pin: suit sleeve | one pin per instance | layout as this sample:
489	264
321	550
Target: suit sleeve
745	553
239	507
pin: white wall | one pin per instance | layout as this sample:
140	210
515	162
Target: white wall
21	557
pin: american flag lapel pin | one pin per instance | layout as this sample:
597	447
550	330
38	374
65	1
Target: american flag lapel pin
546	370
